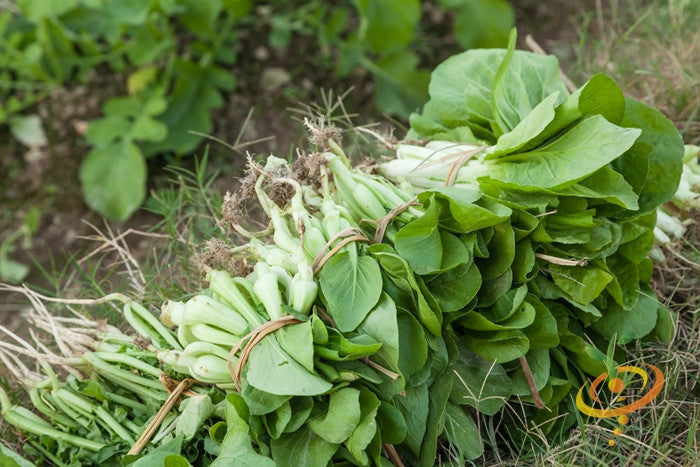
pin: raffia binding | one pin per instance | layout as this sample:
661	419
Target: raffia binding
348	235
175	390
384	222
249	341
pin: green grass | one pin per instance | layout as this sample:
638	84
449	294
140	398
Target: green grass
652	49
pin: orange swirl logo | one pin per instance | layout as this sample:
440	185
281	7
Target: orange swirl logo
616	386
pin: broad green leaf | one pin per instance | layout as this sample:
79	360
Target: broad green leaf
200	17
501	252
607	184
197	410
301	408
463	211
350	288
341	419
28	130
527	129
664	330
419	242
303	448
582	284
624	286
298	342
236	447
237	8
366	428
104	131
439	395
460	88
276	422
589	145
462	432
260	402
492	290
506	305
197	90
113	179
654	163
402	275
391	423
134	12
509	100
388	25
479	383
542	333
413	345
454	289
523	262
272	370
600	95
383	326
482	23
400	86
159	454
340	348
414	408
523	317
578	348
501	346
632	324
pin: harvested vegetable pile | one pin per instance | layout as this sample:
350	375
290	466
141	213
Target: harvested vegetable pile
379	317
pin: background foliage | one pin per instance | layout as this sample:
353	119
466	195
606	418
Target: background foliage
180	59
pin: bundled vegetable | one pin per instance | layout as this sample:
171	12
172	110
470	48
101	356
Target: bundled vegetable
382	317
